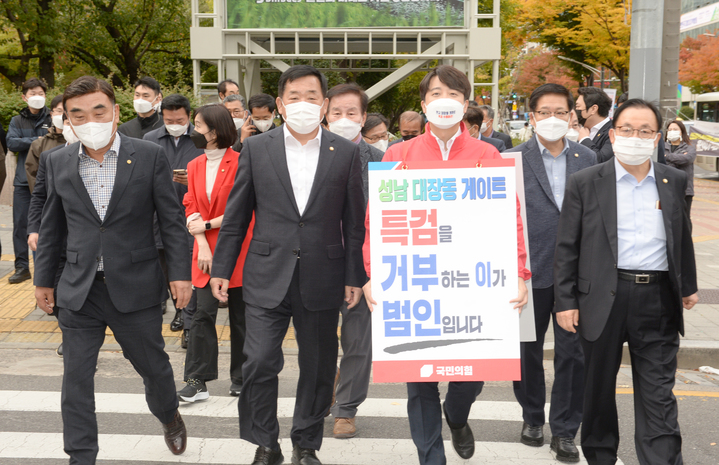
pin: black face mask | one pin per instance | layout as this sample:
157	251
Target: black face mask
581	119
409	136
198	139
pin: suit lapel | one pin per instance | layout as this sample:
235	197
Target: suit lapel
667	202
125	166
278	157
327	151
534	159
202	179
606	193
602	131
76	180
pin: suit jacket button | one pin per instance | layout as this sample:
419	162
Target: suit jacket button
612	292
102	229
302	225
294	252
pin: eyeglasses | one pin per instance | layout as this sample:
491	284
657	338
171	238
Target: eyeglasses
377	138
547	114
629	132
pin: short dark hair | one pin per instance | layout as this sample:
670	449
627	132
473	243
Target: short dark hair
217	118
175	102
350	88
33	83
236	98
637	103
222	87
374	120
449	76
148	82
473	103
87	85
57	100
262	101
593	96
473	116
622	98
487	110
547	89
299	71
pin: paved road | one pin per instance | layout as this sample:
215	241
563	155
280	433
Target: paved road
30	423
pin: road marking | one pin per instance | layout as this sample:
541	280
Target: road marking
706	200
676	393
704	239
226	407
356	451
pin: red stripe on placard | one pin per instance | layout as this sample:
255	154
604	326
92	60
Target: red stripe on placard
413	371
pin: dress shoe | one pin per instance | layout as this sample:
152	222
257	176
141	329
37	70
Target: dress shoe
532	435
21	274
163	306
235	389
58	351
344	428
565	449
267	456
462	437
302	456
178	322
185	338
194	390
175	435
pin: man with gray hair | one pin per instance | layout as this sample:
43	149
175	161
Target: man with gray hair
237	106
410	126
487	129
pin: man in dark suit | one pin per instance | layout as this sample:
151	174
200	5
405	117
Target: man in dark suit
304	186
593	106
473	119
346	115
174	138
548	159
624	268
104	193
487	128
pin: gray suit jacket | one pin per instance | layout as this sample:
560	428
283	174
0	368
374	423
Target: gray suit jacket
367	154
585	266
542	210
496	143
326	239
143	187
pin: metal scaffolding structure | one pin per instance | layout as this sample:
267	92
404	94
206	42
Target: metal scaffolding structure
243	54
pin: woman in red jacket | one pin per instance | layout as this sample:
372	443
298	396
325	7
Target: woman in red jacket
210	179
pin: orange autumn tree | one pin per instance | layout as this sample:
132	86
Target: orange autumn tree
699	64
541	68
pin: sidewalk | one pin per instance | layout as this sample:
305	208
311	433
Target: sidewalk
23	325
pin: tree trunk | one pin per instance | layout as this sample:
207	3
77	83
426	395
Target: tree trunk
47	70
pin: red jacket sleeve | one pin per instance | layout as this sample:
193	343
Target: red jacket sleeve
524	273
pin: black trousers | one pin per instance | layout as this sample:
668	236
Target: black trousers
20	207
316	335
83	332
565	412
188	313
424	410
202	351
643	315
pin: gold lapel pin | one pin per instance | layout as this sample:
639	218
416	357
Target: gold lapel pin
129	161
665	180
223	170
332	149
576	155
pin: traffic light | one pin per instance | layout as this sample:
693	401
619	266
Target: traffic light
514	96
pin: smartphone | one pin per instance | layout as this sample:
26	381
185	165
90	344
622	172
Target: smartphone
178	172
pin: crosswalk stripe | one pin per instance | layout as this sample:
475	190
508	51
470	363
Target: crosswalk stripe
226	407
356	451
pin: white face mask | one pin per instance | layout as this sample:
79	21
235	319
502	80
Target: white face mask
143	106
36	102
176	130
262	125
346	128
381	145
445	112
483	128
551	129
632	150
95	135
69	136
303	117
57	121
238	122
674	135
572	135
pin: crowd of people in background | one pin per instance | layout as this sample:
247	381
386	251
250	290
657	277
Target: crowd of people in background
205	205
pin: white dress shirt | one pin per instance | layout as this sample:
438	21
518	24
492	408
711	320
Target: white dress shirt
302	164
595	129
641	237
450	142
